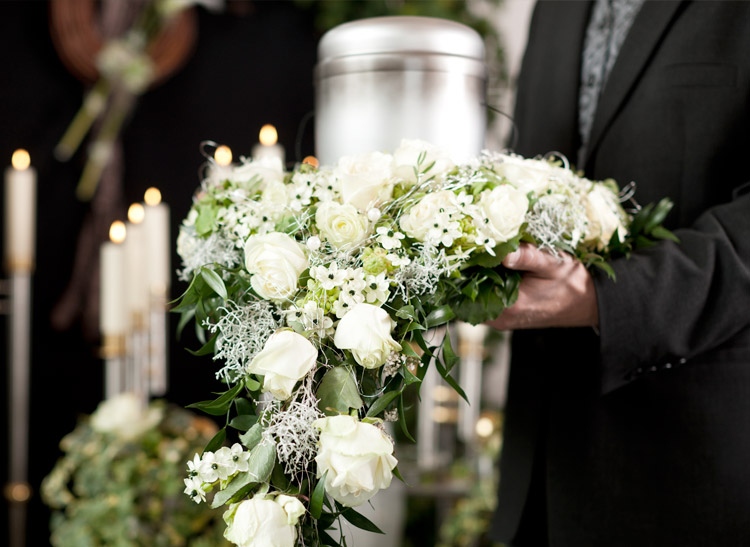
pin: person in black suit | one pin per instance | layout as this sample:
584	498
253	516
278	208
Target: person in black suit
636	432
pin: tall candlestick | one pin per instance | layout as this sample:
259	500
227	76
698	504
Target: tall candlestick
113	315
135	259
113	311
269	148
156	227
20	213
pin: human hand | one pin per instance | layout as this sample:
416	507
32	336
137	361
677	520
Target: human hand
554	292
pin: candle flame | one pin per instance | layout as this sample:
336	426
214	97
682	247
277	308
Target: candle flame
311	160
20	159
136	212
152	196
268	135
223	155
117	231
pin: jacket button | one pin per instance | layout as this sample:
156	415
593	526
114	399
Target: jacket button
667	365
682	360
652	369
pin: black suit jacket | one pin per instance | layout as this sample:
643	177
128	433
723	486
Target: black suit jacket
641	436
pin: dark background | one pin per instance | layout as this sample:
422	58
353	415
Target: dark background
251	66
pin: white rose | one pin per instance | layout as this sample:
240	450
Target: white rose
276	262
605	215
366	180
124	416
366	331
267	170
357	456
292	507
259	522
286	358
406	156
528	175
420	219
502	211
341	225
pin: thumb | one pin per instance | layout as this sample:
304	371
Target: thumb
529	258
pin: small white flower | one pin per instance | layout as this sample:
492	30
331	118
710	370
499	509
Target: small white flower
388	238
194	489
240	457
329	277
225	462
209	468
376	288
397	260
194	465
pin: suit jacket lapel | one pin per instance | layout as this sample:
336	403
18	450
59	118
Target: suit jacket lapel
649	26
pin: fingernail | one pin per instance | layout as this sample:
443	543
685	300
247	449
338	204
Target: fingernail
512	259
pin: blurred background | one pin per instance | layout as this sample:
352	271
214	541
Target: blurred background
241	64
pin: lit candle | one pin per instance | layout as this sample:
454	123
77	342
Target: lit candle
269	148
20	213
113	314
135	259
156	227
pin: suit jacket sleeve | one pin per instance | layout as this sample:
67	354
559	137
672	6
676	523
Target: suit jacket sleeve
677	302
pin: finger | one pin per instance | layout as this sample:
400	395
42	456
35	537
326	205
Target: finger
529	258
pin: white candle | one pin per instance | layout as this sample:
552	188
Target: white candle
268	148
135	259
156	228
113	312
20	213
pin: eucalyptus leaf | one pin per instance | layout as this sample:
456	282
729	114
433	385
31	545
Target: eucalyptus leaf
261	460
252	437
243	422
239	482
338	392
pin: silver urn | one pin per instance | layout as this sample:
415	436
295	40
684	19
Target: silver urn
383	79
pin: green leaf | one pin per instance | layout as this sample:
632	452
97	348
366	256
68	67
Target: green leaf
185	318
439	316
360	521
407	312
207	349
382	403
261	460
217	441
450	380
402	419
220	405
214	281
660	232
204	224
239	482
449	356
243	422
252	437
338	392
316	500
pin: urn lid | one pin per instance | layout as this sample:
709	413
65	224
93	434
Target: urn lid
401	34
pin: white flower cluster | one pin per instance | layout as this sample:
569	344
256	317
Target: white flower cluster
204	471
322	267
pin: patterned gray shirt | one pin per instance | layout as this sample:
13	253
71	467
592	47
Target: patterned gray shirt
609	24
